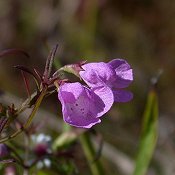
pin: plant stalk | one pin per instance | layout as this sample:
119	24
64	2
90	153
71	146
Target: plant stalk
29	120
88	147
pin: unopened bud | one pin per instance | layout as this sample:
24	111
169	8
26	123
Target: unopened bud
3	150
41	149
74	68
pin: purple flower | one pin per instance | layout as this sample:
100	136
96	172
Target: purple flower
81	106
116	75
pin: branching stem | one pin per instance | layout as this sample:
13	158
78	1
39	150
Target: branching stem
29	120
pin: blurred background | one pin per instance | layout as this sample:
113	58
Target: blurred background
140	31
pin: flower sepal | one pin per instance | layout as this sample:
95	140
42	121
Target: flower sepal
74	68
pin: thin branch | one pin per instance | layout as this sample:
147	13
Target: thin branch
26	83
29	120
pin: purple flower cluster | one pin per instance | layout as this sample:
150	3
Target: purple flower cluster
82	106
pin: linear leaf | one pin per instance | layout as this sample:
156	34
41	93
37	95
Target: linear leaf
149	135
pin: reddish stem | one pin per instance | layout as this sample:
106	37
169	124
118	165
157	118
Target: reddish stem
26	83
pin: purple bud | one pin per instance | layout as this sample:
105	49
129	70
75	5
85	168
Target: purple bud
3	150
41	149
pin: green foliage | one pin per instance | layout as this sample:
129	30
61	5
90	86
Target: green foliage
64	140
88	147
149	135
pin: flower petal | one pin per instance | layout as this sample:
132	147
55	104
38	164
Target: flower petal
96	74
71	91
122	95
124	74
83	108
78	120
106	94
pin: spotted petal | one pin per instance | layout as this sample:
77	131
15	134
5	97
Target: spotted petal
81	107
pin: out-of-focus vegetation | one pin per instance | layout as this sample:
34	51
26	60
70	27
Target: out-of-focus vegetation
142	32
149	134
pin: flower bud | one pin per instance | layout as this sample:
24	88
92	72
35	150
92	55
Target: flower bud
41	149
42	144
3	150
74	68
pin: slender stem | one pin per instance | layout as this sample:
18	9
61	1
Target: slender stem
29	120
26	83
37	105
95	165
26	104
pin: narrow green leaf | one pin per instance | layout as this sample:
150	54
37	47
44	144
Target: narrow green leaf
149	135
64	140
90	153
